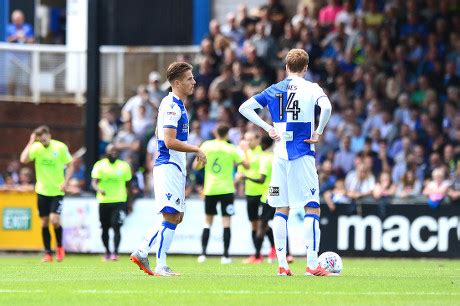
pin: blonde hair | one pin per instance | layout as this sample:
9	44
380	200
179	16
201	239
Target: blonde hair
297	60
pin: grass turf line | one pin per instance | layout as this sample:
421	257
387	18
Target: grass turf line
85	280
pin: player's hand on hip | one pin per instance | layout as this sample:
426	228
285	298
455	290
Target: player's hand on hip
201	157
314	138
274	134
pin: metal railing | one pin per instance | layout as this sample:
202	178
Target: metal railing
52	73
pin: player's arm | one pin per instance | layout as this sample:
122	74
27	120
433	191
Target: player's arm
247	109
95	185
259	180
68	175
326	110
174	144
24	158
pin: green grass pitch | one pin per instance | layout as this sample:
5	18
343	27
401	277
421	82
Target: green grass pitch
86	280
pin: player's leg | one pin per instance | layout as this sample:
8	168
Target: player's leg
311	221
118	216
253	214
278	198
55	219
166	235
210	208
105	213
44	208
267	215
228	210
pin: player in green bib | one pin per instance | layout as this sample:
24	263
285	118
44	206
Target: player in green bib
253	186
51	158
110	180
218	185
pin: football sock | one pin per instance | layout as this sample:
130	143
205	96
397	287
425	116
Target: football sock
280	236
46	239
116	238
105	238
259	242
204	240
166	235
254	237
149	241
313	235
227	236
58	234
270	237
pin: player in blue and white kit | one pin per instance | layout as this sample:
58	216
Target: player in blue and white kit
294	182
170	171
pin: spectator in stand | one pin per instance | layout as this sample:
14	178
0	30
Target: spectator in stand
233	30
128	144
154	91
327	177
108	128
77	180
26	180
328	14
436	188
409	187
453	192
384	191
18	32
130	112
359	183
343	160
205	74
337	196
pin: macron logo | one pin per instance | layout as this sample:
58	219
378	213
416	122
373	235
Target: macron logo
280	249
313	190
169	195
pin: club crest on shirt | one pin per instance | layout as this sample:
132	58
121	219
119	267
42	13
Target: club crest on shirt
274	191
288	135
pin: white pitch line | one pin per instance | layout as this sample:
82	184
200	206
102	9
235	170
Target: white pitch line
249	292
20	291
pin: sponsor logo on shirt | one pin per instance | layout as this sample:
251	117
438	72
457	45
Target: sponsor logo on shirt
288	135
170	113
185	128
274	191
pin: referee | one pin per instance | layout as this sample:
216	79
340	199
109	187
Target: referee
51	157
218	185
110	180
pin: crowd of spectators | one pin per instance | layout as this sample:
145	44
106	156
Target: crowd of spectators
390	68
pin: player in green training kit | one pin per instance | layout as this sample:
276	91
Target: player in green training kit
51	157
266	212
110	180
253	188
218	185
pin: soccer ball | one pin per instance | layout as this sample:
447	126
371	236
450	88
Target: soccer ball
331	262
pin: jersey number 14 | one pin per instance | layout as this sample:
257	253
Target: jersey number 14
292	106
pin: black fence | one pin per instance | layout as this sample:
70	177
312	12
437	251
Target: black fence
395	231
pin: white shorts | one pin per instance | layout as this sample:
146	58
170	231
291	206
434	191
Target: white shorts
169	188
294	183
